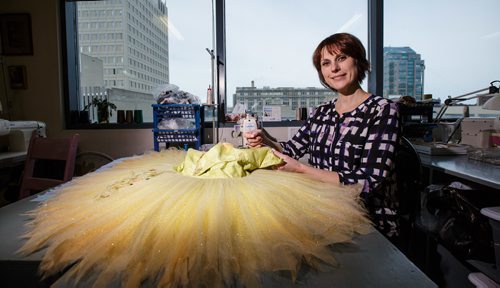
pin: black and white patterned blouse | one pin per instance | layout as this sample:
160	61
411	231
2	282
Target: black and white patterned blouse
358	145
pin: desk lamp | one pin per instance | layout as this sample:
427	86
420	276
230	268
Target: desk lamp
490	104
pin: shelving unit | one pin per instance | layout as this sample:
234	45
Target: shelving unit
184	113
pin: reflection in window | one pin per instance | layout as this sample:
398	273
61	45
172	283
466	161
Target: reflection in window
270	56
442	56
126	48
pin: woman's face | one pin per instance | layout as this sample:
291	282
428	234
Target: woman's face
339	70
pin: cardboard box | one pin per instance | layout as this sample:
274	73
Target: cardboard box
476	131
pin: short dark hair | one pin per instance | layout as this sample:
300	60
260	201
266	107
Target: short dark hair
342	43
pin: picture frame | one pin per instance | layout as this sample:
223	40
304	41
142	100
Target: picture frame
15	34
17	77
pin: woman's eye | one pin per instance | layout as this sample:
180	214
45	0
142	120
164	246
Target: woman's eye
325	63
341	58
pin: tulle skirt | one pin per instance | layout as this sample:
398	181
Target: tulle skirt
140	221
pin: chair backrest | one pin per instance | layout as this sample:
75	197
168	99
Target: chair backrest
408	171
49	162
89	161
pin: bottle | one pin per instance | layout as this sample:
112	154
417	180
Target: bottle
466	111
210	98
248	124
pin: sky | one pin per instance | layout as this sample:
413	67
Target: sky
271	42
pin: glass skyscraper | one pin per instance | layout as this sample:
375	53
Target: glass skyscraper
403	73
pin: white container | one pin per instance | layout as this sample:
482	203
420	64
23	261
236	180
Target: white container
476	131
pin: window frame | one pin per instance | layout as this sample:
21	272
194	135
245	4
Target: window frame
70	61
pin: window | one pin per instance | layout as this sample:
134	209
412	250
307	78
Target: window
265	50
447	48
272	52
124	58
143	44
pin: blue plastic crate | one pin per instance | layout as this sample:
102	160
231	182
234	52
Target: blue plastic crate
172	111
175	111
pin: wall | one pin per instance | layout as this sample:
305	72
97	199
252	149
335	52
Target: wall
43	99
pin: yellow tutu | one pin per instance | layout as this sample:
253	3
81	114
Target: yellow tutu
141	221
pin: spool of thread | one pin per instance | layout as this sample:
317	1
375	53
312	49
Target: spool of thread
120	116
129	116
84	117
75	117
466	111
138	116
427	97
210	96
301	113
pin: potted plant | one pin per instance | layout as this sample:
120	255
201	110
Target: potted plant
104	108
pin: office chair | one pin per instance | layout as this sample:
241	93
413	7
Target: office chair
409	186
409	182
49	162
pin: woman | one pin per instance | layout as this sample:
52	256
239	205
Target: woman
351	139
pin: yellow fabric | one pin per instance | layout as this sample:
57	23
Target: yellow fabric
142	223
225	161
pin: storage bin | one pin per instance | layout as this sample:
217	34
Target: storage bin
177	113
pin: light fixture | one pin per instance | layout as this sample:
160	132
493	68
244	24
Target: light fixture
492	90
493	103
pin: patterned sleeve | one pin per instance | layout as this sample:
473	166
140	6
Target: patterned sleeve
300	142
377	157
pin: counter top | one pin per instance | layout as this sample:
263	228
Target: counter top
461	166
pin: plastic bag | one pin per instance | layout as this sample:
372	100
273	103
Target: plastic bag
171	94
176	123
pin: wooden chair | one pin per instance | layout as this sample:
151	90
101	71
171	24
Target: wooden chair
89	161
49	162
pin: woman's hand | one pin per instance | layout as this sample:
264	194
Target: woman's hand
291	165
254	138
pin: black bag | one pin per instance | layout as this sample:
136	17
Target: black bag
459	225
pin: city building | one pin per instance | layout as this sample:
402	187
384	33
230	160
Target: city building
288	98
130	39
403	73
44	50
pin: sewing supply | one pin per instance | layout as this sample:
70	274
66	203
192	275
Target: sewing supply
249	123
210	96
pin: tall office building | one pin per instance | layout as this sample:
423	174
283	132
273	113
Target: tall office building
403	72
131	39
124	43
288	98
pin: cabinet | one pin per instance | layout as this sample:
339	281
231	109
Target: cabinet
177	124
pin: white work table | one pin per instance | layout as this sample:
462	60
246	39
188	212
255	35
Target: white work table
462	167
